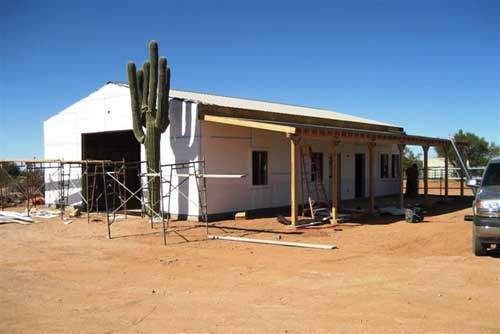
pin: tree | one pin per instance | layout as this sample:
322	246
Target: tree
8	171
410	158
474	149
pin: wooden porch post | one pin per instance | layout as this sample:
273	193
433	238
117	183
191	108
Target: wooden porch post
426	170
446	162
294	206
371	155
335	183
401	148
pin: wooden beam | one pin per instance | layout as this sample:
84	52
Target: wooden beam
426	170
272	242
401	148
371	157
294	205
249	124
241	113
356	137
335	183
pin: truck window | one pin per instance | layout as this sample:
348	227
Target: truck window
492	175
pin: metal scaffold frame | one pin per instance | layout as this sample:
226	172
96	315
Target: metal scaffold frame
183	171
63	177
91	180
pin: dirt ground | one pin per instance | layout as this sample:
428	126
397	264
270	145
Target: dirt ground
386	276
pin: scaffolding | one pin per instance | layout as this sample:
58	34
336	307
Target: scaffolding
60	183
171	178
87	183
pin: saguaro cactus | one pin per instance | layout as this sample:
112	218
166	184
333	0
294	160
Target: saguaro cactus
149	95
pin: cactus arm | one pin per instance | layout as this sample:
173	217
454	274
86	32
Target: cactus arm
162	112
145	85
140	78
153	77
140	81
166	104
135	104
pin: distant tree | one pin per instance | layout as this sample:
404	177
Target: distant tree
9	171
12	169
476	150
410	158
494	150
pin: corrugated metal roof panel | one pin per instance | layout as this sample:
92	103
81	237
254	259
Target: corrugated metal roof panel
280	108
233	102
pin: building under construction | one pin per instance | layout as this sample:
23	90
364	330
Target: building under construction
257	155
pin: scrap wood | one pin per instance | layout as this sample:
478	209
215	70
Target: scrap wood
314	223
272	242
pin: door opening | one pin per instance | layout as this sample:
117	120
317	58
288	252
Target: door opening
359	175
115	146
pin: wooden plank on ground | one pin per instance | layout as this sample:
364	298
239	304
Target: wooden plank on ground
272	242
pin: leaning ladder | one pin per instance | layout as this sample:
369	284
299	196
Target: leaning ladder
313	189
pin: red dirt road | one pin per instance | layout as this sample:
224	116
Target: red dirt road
393	278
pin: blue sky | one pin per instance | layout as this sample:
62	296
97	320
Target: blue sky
429	66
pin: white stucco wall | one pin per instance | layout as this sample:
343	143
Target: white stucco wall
108	109
227	150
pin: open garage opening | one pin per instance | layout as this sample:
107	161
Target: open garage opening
114	146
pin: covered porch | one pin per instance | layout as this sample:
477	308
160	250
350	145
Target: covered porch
299	132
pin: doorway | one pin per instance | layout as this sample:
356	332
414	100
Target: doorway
115	146
359	175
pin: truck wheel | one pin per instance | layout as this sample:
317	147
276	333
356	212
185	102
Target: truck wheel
477	247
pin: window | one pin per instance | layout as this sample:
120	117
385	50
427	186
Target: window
384	166
395	166
259	168
316	166
492	175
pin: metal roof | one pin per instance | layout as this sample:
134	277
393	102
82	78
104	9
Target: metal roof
272	107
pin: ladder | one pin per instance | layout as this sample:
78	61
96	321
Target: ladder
313	189
93	183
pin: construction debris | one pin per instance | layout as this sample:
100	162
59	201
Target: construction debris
414	215
72	211
43	213
271	242
67	221
7	217
240	216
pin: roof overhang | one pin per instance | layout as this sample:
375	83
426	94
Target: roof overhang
329	132
264	116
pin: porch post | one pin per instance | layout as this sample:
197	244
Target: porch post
294	207
371	155
426	170
335	183
446	162
401	148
